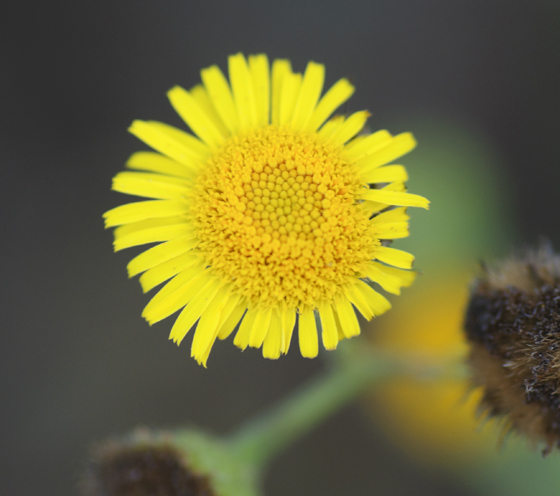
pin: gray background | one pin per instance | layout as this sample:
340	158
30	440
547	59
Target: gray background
77	362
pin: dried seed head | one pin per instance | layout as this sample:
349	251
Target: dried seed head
142	469
513	326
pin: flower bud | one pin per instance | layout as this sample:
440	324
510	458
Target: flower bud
174	463
141	468
513	326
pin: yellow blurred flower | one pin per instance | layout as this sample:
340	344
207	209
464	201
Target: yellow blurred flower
433	420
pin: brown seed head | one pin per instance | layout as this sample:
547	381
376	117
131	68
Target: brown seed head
142	469
513	326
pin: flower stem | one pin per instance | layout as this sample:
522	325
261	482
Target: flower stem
261	438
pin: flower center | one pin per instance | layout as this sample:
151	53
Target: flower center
277	215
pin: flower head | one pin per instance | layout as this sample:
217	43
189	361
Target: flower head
183	463
121	469
513	325
268	212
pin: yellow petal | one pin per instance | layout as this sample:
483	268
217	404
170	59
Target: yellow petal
173	143
200	94
308	339
397	186
134	212
194	309
392	256
331	127
197	148
291	85
150	231
161	253
328	323
151	185
142	225
347	317
288	325
394	198
351	126
365	145
280	68
243	91
220	94
339	330
228	323
373	207
170	299
155	162
244	333
352	143
386	174
260	328
397	147
393	215
359	302
166	270
406	277
195	116
389	283
376	302
177	282
229	308
208	326
311	87
272	346
260	72
340	92
392	230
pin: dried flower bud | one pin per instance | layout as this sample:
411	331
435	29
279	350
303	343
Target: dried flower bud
143	469
513	325
185	462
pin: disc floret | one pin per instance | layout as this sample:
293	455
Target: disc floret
277	214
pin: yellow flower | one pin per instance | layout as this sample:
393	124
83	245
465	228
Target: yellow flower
270	210
435	420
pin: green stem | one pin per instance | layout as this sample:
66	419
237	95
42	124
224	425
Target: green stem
261	438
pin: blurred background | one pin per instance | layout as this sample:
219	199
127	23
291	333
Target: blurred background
477	81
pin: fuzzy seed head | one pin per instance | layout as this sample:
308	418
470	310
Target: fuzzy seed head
119	469
513	326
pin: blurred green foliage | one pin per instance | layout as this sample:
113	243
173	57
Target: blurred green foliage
460	173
